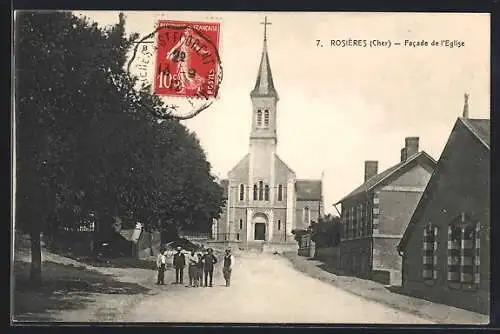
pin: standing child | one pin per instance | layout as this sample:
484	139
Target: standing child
161	262
199	270
192	266
228	267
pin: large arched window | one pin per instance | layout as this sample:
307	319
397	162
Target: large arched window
266	118
254	192
242	192
463	251
280	192
306	216
261	190
259	118
266	193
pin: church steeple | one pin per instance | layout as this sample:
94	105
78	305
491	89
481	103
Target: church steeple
264	99
264	86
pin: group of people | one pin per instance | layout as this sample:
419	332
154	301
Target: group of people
198	264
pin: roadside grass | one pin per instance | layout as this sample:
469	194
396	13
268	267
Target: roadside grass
64	287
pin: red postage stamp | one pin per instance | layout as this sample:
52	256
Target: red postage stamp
187	59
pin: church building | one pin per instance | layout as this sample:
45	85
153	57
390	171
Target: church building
265	200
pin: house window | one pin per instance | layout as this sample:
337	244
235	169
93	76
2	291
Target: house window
346	223
266	193
306	216
364	217
237	236
463	251
242	192
261	190
266	118
360	220
280	192
241	224
429	253
254	192
279	224
259	118
352	216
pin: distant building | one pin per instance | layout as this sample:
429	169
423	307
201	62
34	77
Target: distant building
132	242
446	247
265	200
375	215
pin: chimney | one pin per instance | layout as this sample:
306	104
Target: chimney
465	113
403	154
411	146
371	169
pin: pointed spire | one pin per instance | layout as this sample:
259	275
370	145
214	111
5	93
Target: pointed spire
465	113
264	86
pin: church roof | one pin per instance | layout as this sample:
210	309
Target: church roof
264	86
308	189
375	180
284	163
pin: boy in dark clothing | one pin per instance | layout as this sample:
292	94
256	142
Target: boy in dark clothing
227	267
209	261
179	264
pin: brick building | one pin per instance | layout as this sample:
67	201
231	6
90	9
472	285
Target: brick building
446	247
375	215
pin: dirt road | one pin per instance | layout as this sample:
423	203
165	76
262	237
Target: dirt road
265	289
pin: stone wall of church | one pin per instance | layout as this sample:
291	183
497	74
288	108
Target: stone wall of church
279	226
240	224
314	213
260	155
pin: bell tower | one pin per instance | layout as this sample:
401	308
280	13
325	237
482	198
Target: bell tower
263	136
264	99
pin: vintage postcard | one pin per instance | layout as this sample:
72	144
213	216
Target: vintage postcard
251	167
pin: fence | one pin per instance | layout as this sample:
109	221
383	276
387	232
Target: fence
224	236
195	235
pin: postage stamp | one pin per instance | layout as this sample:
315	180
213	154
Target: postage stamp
183	67
187	59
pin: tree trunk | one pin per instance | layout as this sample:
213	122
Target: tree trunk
36	258
150	239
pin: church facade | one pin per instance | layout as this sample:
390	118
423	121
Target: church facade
265	200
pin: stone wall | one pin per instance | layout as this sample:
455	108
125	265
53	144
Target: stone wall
329	255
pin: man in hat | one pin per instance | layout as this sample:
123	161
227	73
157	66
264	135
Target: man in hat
209	261
179	264
227	267
161	262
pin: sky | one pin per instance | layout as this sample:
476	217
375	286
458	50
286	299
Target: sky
339	106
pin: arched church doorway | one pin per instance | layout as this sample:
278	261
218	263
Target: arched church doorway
260	223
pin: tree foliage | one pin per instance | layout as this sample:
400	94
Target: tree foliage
87	141
327	231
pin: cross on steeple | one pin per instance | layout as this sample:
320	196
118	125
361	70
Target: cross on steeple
265	23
